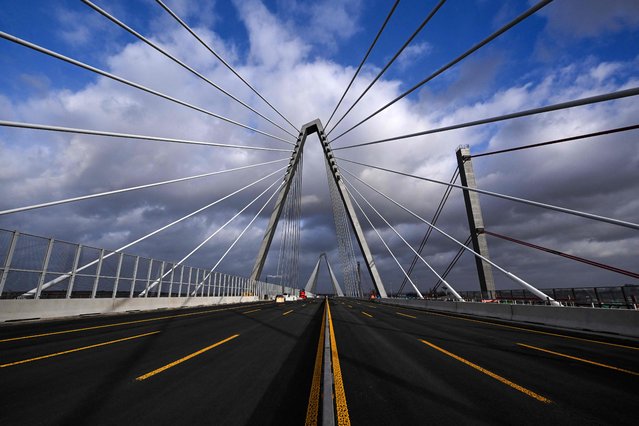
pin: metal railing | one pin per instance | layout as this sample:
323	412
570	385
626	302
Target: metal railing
54	269
626	296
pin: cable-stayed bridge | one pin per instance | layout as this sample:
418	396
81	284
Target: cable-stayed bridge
99	334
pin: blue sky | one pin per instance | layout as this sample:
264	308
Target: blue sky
302	55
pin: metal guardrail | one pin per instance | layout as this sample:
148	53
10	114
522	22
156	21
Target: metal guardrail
32	262
626	296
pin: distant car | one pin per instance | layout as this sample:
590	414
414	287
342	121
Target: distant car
280	298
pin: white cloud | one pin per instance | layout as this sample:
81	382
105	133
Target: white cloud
414	52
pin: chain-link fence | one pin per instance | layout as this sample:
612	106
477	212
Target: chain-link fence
35	267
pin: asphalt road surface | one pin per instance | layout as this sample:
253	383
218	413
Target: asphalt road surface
253	364
410	367
259	374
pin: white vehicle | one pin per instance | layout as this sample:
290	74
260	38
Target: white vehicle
279	298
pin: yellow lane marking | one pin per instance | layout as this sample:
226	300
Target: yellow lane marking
110	342
580	359
490	374
406	315
287	312
367	314
313	399
338	385
536	331
350	306
254	310
181	360
75	330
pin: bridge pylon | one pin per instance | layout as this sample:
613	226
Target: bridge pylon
475	221
315	126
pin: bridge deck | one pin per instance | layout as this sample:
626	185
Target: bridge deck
399	366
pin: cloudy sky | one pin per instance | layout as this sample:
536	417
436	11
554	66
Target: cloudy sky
301	57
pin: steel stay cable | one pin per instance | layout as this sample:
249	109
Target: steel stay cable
198	38
382	239
103	73
177	61
34	126
568	139
206	240
379	75
473	49
452	290
133	188
508	197
429	231
106	256
238	237
452	264
510	275
344	239
361	64
566	255
548	108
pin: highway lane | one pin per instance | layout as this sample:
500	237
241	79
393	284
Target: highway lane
403	366
242	364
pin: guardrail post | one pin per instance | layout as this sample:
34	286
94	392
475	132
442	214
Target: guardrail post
181	280
45	265
148	278
76	260
135	274
197	279
171	280
597	296
160	275
208	288
117	276
188	284
94	290
8	259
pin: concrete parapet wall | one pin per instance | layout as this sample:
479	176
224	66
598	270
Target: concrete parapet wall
21	309
624	322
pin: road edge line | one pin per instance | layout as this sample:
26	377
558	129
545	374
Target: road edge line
341	406
312	410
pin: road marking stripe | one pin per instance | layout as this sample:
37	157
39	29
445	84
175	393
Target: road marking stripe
536	331
119	324
312	410
287	312
181	360
254	310
490	373
579	359
367	314
406	315
350	306
76	349
340	395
